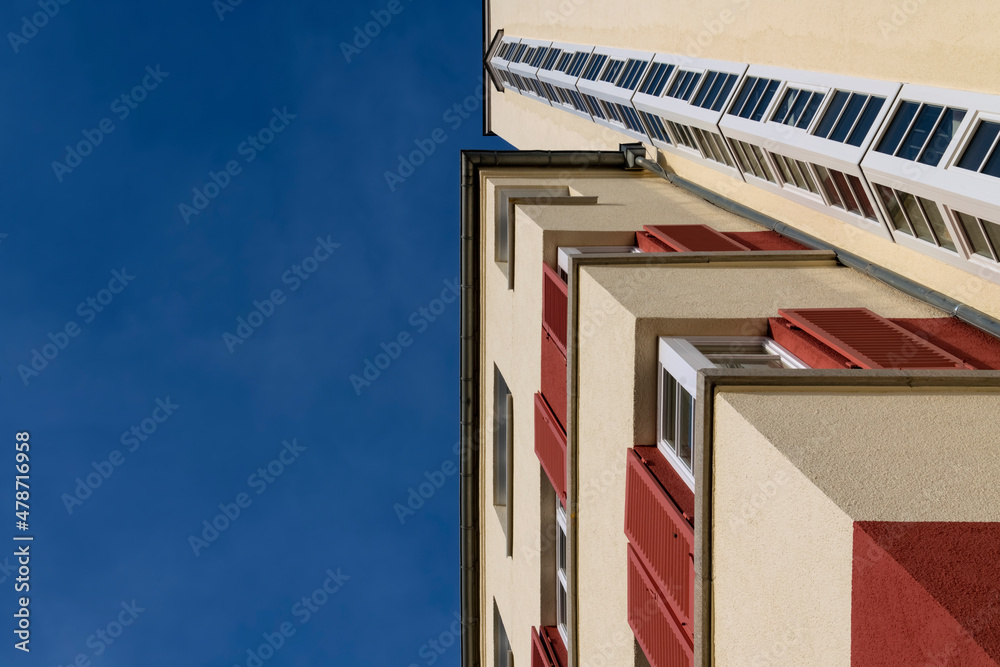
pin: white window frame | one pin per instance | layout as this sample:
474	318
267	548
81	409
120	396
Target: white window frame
507	197
563	80
680	358
564	253
562	582
501	64
983	266
528	71
608	92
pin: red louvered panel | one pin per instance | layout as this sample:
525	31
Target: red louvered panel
693	238
539	656
554	377
766	240
870	341
555	304
550	446
661	537
652	622
811	351
551	649
649	243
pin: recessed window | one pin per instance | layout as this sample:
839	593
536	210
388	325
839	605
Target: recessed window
754	98
714	90
612	71
921	132
656	80
915	216
502	422
633	71
713	147
679	363
594	107
982	155
684	84
655	126
562	587
982	235
502	654
752	160
551	58
849	117
798	107
574	65
595	66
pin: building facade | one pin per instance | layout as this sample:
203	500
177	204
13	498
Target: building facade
730	337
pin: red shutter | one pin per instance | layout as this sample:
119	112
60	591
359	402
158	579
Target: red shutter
550	446
554	377
649	243
652	622
693	238
662	539
555	304
547	648
870	341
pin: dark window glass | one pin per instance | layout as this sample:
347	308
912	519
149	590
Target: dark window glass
831	114
765	99
851	112
783	107
742	97
868	116
786	175
844	190
915	139
984	137
713	93
710	78
977	240
993	232
935	148
826	180
798	108
933	215
892	208
810	112
807	177
685	427
763	164
915	216
727	87
859	193
992	166
755	95
900	122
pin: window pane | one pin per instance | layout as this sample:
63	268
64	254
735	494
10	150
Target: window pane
772	87
901	121
844	190
814	102
754	162
933	214
861	196
561	548
826	180
921	129
755	95
916	218
808	177
946	129
668	413
721	147
742	97
738	152
724	93
992	166
892	207
735	347
974	234
796	176
785	105
986	133
786	175
685	426
798	108
832	112
860	131
709	80
850	115
763	164
993	232
500	420
709	101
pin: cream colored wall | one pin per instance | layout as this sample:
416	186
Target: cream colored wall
942	44
782	556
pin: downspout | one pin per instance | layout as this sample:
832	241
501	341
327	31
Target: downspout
966	313
472	162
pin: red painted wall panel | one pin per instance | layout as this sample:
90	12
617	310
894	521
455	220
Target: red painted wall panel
551	646
926	593
661	537
766	240
676	488
553	382
555	304
652	622
976	348
810	350
693	238
649	243
550	446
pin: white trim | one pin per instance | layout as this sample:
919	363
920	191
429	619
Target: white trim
564	253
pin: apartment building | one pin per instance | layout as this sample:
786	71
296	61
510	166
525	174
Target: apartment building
730	338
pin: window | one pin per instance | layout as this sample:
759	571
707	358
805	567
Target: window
684	85
915	216
752	161
655	127
849	117
576	64
795	173
633	71
921	132
502	655
612	71
656	80
550	60
714	91
594	66
981	154
594	107
680	361
982	236
754	98
564	253
503	225
713	147
798	107
502	422
562	587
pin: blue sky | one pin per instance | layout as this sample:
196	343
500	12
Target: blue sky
162	355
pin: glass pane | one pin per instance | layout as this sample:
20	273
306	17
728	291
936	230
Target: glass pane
919	132
861	196
562	615
916	218
734	347
784	105
561	548
685	426
755	96
942	136
865	123
744	165
796	176
786	176
986	133
714	92
844	190
763	164
814	102
901	121
849	117
993	232
724	93
742	97
892	208
668	414
737	362
933	214
831	114
765	99
808	178
752	159
709	80
798	108
974	234
721	147
992	166
826	180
